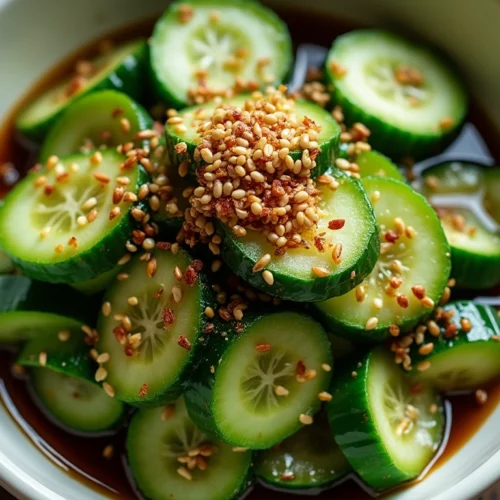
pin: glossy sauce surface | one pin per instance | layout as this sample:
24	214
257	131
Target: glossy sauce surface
83	457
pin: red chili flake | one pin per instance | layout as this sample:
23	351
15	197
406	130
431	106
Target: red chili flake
451	330
239	327
120	334
138	237
143	391
209	328
191	274
158	293
167	316
336	224
301	367
91	340
197	265
318	243
391	236
129	350
117	112
224	314
417	388
402	301
73	242
277	188
184	343
263	347
418	291
288	476
163	245
48	189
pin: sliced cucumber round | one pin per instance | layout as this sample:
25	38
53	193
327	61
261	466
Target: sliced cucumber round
122	68
386	432
97	284
308	459
194	116
30	308
414	253
462	193
256	388
76	404
57	225
467	359
96	121
294	277
212	43
152	351
375	163
410	99
170	458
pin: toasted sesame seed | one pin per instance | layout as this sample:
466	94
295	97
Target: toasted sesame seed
240	449
481	396
122	276
360	293
372	323
426	349
108	452
109	389
42	358
101	374
279	390
263	347
125	126
305	419
324	396
320	272
103	358
92	215
326	367
375	196
167	412
183	472
64	335
90	203
133	301
394	330
106	308
177	294
268	277
423	365
427	302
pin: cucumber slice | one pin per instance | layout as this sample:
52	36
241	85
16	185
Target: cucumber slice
308	459
30	308
422	258
40	223
491	199
6	265
149	368
294	278
194	116
121	69
165	451
409	98
94	122
386	432
213	44
97	284
375	163
75	404
232	393
467	359
463	194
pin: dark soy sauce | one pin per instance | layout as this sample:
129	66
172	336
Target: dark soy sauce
82	457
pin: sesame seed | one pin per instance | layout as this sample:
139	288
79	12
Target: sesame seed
133	301
423	365
109	389
326	367
466	325
360	293
426	349
481	396
263	347
108	452
92	216
324	396
240	449
279	390
305	419
320	272
375	196
268	277
64	335
106	308
183	472
101	374
96	158
90	203
427	302
122	276
103	358
82	221
177	294
42	358
372	323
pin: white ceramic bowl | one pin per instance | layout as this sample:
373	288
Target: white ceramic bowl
34	34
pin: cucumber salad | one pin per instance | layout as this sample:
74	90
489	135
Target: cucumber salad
248	281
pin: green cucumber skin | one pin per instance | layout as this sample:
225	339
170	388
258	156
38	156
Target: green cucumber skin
162	93
20	293
69	358
127	78
473	271
301	290
49	147
97	284
199	386
397	144
478	334
353	429
93	261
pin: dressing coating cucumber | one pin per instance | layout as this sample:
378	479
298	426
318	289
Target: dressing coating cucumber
413	253
96	121
410	99
293	273
153	355
375	163
308	459
29	309
387	433
464	196
171	459
211	43
194	116
57	225
76	404
122	69
255	388
467	359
